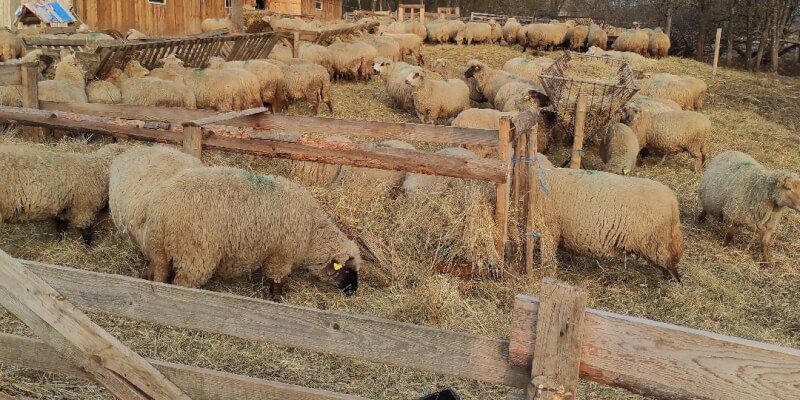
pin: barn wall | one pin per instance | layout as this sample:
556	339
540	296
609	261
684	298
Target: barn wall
175	18
285	6
7	10
331	9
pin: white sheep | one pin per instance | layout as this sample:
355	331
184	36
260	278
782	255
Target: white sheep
633	40
309	82
410	45
444	31
152	91
440	66
317	54
529	69
597	37
659	44
474	32
11	46
688	91
620	149
270	78
434	99
677	131
490	80
510	29
68	86
104	92
394	74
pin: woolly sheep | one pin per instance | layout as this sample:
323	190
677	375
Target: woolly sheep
276	23
346	60
677	131
528	68
688	91
489	80
440	66
410	45
639	112
633	40
631	58
68	86
578	206
249	84
477	32
152	91
317	174
317	54
414	183
213	24
496	35
380	180
548	36
739	191
103	92
597	37
134	176
367	54
620	149
39	185
395	75
280	53
480	118
444	31
309	82
522	36
510	29
386	47
246	222
434	99
270	78
223	90
577	36
659	44
516	96
11	46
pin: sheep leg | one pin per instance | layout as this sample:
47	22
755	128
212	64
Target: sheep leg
159	269
276	290
766	235
87	234
61	229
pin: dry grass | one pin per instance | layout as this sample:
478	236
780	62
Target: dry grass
725	289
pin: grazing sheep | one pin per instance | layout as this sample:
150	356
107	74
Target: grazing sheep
134	176
245	222
309	82
103	92
317	54
410	45
675	132
490	80
516	96
548	36
434	99
600	214
11	46
639	112
620	149
68	86
223	89
39	185
270	78
631	58
249	83
444	31
314	173
394	74
597	37
477	32
386	47
213	24
659	44
346	60
633	40
688	91
577	37
510	29
529	69
367	54
414	183
152	91
739	191
280	53
496	35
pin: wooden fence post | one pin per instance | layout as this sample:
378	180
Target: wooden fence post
532	198
716	51
296	45
503	189
580	129
193	140
30	99
559	336
76	338
237	16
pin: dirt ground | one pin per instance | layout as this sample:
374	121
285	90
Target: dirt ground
725	289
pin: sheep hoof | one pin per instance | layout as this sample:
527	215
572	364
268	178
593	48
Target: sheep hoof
87	236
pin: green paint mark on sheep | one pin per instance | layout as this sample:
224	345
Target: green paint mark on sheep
262	181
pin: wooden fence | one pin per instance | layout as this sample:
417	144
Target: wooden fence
554	340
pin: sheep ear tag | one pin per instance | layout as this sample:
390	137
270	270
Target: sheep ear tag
337	266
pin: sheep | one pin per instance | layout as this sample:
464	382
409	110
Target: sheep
314	173
659	44
518	95
280	53
440	67
152	91
386	47
479	118
413	27
133	34
639	111
477	32
213	24
91	36
740	191
223	90
619	149
346	60
600	214
578	36
380	180
270	78
11	96
11	46
633	40
445	31
547	36
528	68
317	54
277	23
489	80
367	54
245	222
434	99
395	75
410	45
597	37
496	35
688	91
39	185
631	58
510	29
250	84
134	176
414	183
103	92
309	82
68	86
522	36
677	131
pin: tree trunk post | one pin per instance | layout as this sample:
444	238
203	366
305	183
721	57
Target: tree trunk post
668	30
503	189
193	140
532	197
580	129
30	99
237	15
716	51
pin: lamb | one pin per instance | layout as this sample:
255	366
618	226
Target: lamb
510	29
314	173
134	176
739	191
620	149
70	188
246	222
317	54
688	91
445	31
103	92
309	82
395	76
11	46
434	99
440	67
489	80
477	32
659	44
578	36
68	86
597	37
529	69
213	24
633	40
410	45
677	131
639	111
270	78
601	214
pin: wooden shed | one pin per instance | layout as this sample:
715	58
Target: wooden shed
323	10
152	17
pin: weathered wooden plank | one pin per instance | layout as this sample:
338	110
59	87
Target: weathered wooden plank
10	74
223	117
72	335
358	336
559	335
503	188
197	383
523	330
30	99
193	141
672	362
142	113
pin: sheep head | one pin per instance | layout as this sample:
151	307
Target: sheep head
381	65
135	70
536	98
629	114
415	79
474	67
340	271
788	191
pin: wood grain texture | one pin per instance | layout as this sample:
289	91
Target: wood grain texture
10	74
559	335
532	185
224	117
357	336
143	113
523	330
198	383
193	141
76	338
672	362
580	131
503	188
30	99
173	18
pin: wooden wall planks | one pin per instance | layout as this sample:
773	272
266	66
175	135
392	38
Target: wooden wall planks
174	18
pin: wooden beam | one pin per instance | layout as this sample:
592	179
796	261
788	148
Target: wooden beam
10	74
214	119
76	338
716	51
503	188
193	141
532	194
559	336
580	129
30	99
125	111
358	336
198	383
666	361
237	16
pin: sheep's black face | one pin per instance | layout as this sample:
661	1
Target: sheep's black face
540	99
471	71
345	276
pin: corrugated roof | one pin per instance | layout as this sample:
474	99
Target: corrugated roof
48	12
